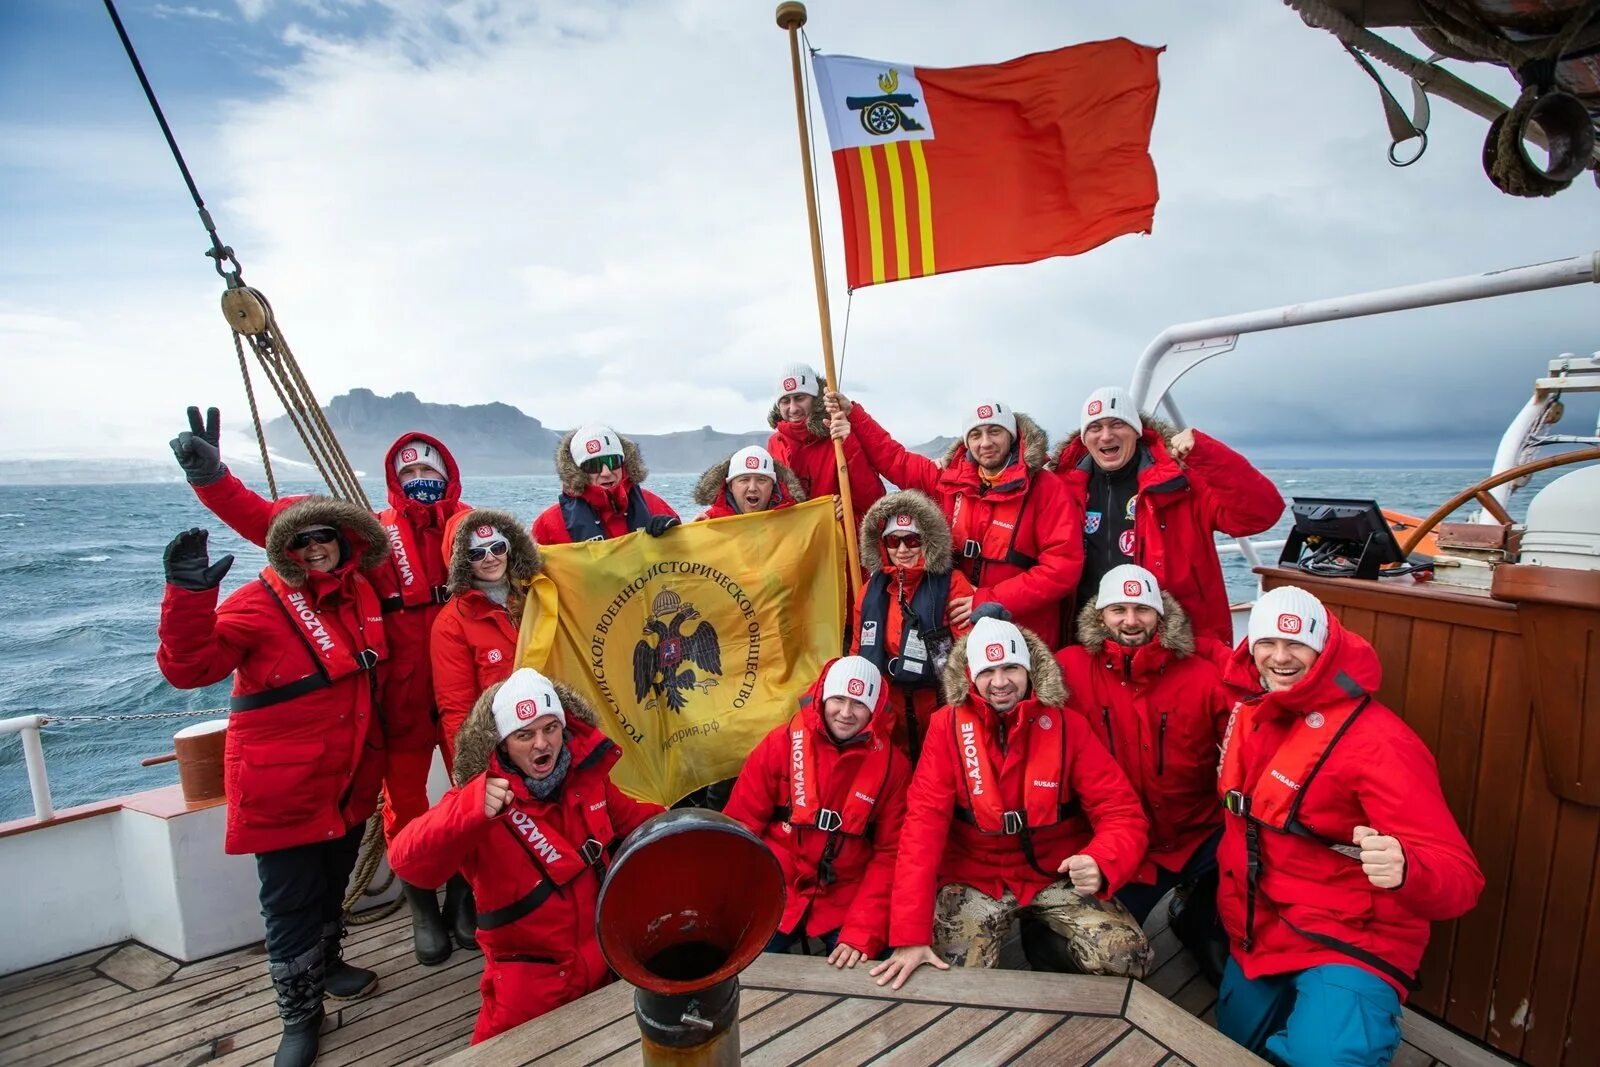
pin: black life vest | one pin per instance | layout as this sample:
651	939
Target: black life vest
927	613
583	522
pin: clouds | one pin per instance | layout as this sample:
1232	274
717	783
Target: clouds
595	210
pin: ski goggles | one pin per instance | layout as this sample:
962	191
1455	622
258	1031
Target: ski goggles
493	548
907	540
608	462
323	535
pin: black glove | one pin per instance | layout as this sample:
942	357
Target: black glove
197	448
188	565
660	524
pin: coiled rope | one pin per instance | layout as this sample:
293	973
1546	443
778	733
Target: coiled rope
250	317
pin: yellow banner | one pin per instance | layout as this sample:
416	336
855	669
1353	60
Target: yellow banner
694	645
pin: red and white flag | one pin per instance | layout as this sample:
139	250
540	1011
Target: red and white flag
945	169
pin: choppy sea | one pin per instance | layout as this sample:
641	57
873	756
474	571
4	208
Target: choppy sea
81	583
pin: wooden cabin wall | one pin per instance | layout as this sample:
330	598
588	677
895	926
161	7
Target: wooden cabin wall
1521	972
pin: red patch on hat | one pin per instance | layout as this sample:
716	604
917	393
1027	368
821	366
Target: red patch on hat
790	385
1289	624
408	455
995	653
1095	407
856	687
527	710
752	463
1132	588
985	412
484	531
592	445
902	520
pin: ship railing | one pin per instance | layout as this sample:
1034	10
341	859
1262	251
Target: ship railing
1178	349
27	726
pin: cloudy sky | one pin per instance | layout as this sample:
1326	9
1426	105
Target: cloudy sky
594	210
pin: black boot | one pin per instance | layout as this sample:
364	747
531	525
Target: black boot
461	913
430	937
1192	915
340	980
298	984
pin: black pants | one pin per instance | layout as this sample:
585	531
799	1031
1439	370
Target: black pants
302	888
1200	869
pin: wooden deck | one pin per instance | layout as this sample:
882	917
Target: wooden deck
130	1005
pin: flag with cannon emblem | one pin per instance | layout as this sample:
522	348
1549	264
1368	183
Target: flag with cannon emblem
694	645
945	169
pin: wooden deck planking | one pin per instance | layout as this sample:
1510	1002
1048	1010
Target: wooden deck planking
1136	1049
820	1031
947	1034
892	1028
1076	1040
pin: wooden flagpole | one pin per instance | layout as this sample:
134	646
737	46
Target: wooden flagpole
791	16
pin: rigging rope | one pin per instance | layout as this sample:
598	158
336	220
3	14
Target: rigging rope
250	317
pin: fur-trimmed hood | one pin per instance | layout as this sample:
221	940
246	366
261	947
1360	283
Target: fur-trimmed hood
1160	427
817	423
1048	687
936	550
1174	634
1034	449
574	481
522	558
356	525
478	737
708	490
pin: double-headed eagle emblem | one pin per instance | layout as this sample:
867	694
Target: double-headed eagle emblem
663	657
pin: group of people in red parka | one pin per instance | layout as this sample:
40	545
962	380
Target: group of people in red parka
1040	675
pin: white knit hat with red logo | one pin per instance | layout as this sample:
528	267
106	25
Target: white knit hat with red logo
994	643
1129	584
798	378
752	459
855	678
900	525
524	697
417	450
1290	613
484	535
988	413
593	441
1110	403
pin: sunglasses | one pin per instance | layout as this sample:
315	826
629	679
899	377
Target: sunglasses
306	538
600	463
908	540
493	548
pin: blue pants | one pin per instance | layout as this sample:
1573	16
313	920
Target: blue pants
1334	1014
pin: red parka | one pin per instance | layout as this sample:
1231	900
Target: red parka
1180	507
475	639
410	584
1378	774
1160	709
938	849
304	769
1049	530
622	509
550	955
807	449
713	492
856	903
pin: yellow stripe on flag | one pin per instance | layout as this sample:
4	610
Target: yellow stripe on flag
869	184
694	646
919	167
897	204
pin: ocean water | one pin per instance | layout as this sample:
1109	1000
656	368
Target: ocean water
80	594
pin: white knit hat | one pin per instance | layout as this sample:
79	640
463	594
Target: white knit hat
593	441
855	678
900	524
417	450
798	378
1291	613
753	459
1110	403
1129	584
989	413
994	643
485	535
524	697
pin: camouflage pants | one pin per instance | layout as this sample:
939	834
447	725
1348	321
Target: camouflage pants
1101	936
